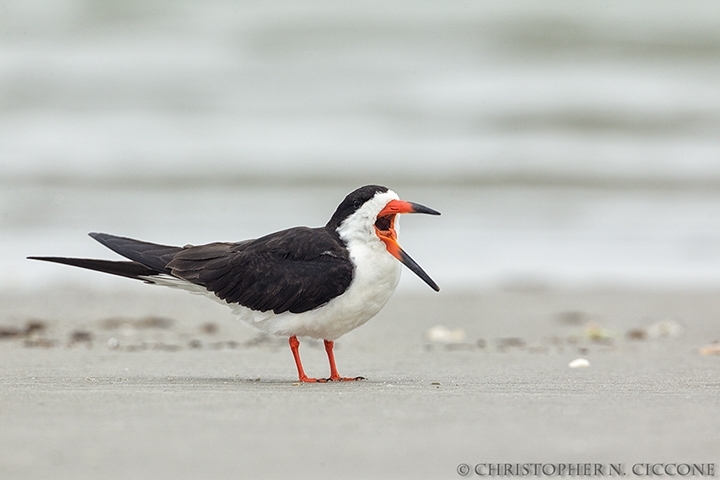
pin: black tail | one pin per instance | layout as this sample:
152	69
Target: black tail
148	259
151	255
124	269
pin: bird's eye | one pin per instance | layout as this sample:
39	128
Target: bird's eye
357	204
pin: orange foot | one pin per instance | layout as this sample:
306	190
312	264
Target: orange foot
338	378
306	379
331	379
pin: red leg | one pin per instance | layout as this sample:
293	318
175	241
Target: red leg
294	344
334	375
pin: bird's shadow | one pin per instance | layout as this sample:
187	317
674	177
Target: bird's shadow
204	382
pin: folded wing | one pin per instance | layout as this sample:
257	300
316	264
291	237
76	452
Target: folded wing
293	270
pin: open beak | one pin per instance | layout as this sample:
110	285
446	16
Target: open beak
385	230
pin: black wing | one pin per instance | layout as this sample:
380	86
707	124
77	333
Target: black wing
293	270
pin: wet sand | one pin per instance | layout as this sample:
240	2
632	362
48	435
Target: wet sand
149	383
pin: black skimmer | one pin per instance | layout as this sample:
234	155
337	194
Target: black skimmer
313	282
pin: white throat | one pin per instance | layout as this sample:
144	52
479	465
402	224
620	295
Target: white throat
360	226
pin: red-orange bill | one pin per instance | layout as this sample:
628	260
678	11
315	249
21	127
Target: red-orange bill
387	234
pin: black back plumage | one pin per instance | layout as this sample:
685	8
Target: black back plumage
294	270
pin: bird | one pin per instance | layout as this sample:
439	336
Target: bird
318	282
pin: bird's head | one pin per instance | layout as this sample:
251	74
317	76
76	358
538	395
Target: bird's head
370	213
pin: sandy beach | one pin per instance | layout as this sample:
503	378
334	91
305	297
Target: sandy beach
149	383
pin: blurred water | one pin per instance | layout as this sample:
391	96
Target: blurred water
564	142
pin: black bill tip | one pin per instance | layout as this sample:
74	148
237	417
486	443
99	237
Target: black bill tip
417	270
417	208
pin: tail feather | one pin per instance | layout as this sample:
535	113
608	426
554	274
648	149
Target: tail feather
133	270
152	255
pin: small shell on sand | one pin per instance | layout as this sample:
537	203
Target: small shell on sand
579	363
442	334
712	349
